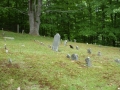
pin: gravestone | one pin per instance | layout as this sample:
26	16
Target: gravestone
88	62
74	57
89	50
56	42
10	61
74	40
117	60
6	50
68	56
77	47
99	54
22	31
65	42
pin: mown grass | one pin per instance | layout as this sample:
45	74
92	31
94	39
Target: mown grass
37	67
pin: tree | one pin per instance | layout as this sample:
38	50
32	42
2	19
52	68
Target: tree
34	16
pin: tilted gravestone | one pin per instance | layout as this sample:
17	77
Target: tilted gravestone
74	57
88	62
77	47
56	42
68	56
65	42
89	50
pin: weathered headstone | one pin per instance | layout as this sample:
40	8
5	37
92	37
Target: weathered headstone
74	57
56	42
74	40
68	56
88	62
77	47
99	54
117	60
22	31
10	61
65	42
89	50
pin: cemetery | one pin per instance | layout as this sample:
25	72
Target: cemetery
60	45
44	63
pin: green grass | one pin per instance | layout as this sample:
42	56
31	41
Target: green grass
37	67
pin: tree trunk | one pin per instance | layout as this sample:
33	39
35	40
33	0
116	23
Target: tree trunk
34	16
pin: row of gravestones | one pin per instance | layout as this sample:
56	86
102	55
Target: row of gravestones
56	43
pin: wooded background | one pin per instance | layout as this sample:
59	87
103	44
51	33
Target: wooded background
88	21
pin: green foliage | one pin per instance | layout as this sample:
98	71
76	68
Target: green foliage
71	18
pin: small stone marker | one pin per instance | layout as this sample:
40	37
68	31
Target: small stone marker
77	47
117	60
56	42
89	50
88	62
6	50
68	56
65	42
74	57
99	54
18	88
22	31
10	61
74	40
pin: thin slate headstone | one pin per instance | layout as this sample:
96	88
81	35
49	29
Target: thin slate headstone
117	60
68	56
56	42
77	47
74	57
88	62
89	50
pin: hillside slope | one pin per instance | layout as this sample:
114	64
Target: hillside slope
31	65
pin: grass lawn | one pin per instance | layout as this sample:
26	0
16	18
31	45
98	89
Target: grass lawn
37	67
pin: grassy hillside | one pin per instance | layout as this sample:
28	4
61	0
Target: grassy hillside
36	67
